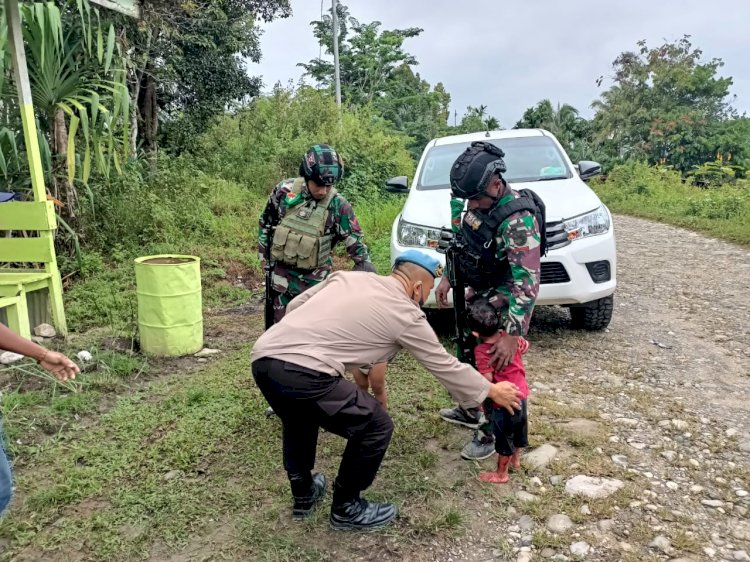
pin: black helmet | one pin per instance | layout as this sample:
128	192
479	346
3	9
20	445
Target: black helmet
321	164
472	170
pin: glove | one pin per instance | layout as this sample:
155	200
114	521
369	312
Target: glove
364	266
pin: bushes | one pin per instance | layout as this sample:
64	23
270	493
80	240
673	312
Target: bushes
660	194
264	143
207	203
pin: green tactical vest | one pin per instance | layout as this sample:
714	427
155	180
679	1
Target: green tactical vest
299	240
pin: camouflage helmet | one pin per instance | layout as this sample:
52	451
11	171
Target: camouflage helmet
322	164
472	170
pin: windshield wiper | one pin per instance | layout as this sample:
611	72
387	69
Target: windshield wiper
549	178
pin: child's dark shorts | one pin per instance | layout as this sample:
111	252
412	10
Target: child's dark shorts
511	431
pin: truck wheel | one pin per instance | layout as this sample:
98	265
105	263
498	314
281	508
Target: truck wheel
594	315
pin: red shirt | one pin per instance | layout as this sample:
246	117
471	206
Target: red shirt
514	372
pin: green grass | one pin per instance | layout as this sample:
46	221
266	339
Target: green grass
660	195
112	490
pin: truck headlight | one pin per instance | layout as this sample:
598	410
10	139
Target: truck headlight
416	235
591	224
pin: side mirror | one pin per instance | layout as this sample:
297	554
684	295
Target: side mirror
588	169
399	184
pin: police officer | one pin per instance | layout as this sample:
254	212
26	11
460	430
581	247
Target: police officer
354	318
501	260
309	217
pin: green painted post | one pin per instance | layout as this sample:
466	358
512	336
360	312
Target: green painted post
21	73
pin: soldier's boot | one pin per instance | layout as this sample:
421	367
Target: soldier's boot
307	491
499	476
349	512
515	459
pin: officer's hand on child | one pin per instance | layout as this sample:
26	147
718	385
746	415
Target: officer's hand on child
506	394
441	293
503	351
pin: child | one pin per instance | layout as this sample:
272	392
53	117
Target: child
511	431
373	376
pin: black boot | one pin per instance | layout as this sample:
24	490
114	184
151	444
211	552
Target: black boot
350	512
307	494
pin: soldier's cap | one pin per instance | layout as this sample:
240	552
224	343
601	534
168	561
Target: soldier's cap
426	261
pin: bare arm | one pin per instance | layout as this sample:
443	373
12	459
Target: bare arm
377	383
56	363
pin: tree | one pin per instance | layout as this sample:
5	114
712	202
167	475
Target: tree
187	63
563	121
476	119
369	59
667	105
413	108
376	70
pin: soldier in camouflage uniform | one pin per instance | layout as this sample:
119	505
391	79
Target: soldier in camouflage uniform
320	169
501	263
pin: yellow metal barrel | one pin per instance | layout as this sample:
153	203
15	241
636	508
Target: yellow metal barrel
170	311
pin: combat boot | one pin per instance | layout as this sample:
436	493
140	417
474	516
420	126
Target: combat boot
349	512
307	493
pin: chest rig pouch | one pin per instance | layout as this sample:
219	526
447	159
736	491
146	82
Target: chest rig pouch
478	260
299	240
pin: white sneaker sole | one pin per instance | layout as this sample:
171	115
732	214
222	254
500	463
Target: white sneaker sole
468	458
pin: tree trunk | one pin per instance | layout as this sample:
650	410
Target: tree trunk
148	111
136	117
60	167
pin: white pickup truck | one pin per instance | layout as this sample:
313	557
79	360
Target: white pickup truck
579	268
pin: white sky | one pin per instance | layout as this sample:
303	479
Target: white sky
509	54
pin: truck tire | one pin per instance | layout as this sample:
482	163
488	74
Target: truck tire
594	315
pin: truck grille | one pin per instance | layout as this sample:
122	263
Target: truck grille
553	272
557	237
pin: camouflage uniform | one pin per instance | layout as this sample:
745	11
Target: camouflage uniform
518	243
514	294
289	282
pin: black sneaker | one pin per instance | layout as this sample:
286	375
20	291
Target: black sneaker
471	418
361	515
305	505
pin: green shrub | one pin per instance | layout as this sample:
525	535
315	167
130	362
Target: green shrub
661	194
264	143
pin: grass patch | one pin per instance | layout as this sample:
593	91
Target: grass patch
651	193
193	460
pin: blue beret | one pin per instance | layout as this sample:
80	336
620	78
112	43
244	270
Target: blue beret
432	265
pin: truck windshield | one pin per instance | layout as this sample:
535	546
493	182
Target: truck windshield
528	159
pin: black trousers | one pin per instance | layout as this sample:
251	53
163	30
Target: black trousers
306	400
511	431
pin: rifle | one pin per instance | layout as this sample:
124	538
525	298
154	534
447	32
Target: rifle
451	245
268	269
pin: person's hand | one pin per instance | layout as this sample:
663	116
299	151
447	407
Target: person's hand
503	351
441	293
59	365
506	395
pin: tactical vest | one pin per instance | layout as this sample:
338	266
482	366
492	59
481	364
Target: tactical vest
299	240
478	236
477	259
